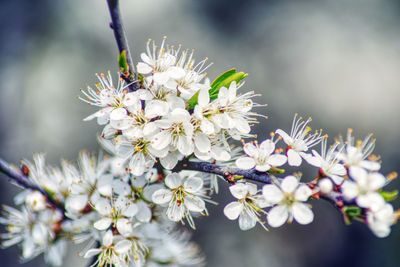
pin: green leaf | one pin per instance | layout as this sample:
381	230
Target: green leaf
389	195
123	64
224	80
352	211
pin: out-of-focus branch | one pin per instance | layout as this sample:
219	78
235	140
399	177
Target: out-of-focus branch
20	179
120	38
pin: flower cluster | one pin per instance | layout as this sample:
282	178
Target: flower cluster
168	135
160	121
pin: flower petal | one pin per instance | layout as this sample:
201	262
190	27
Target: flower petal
289	184
302	213
272	193
233	210
245	163
277	216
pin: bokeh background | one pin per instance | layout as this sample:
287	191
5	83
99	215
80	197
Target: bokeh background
337	61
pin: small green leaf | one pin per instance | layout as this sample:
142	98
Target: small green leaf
352	211
389	195
224	80
123	64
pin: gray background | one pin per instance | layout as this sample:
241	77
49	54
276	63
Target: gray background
337	61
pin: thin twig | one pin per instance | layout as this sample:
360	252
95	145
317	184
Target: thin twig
20	179
120	38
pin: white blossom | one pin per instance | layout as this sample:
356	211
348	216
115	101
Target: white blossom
260	156
288	199
299	140
182	196
328	162
364	187
248	206
380	221
355	154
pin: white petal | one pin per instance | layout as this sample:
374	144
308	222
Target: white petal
294	158
193	184
303	192
239	190
123	246
175	211
267	146
263	168
169	161
247	220
302	213
162	196
124	226
286	138
194	203
173	180
161	140
102	224
349	189
176	72
370	165
277	160
144	214
108	238
202	142
277	216
251	150
204	97
272	194
233	210
76	203
143	68
245	163
289	184
376	181
155	108
185	145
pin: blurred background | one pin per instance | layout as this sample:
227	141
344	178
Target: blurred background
337	61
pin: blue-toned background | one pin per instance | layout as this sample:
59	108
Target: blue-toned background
338	61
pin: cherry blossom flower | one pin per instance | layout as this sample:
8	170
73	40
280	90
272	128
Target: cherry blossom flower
354	155
118	213
183	196
105	95
247	208
299	140
380	221
260	156
114	251
328	162
176	131
288	199
160	63
364	188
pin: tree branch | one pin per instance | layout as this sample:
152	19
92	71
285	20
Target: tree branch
120	38
19	178
225	171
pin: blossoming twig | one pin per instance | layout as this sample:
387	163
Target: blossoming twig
23	181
